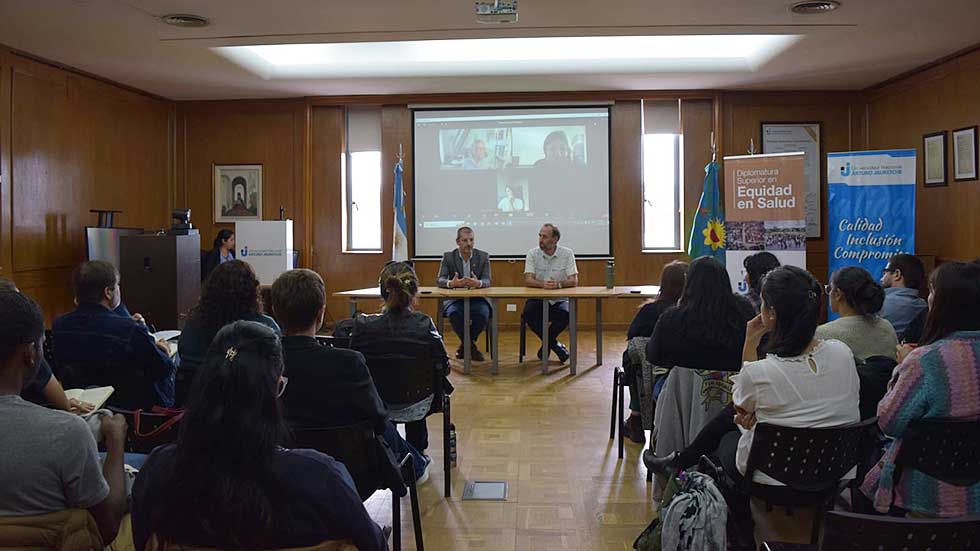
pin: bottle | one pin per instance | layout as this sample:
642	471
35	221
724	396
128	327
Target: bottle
452	445
610	274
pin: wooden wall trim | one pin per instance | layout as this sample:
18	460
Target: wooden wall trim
6	218
510	97
934	69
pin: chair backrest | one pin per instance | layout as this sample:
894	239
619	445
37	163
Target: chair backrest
368	459
808	459
843	531
403	374
947	450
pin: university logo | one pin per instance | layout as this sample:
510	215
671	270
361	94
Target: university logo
244	251
846	169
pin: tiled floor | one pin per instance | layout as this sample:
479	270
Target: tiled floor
548	437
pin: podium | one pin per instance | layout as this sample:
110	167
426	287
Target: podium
267	246
160	276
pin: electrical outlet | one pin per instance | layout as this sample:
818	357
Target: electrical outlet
511	307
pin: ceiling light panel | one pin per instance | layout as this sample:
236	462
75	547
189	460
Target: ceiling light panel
511	56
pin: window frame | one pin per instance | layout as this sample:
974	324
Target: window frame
347	196
678	210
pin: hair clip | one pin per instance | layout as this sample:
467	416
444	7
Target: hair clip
231	354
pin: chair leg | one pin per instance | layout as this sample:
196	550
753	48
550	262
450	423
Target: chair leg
619	415
650	471
489	348
413	493
396	522
446	460
612	414
522	351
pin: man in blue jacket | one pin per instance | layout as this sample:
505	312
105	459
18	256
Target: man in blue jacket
466	267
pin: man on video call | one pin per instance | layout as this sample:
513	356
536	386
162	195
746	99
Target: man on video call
478	158
549	266
466	267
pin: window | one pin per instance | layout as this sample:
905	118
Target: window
662	176
361	181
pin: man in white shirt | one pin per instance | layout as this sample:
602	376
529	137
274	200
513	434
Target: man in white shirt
549	266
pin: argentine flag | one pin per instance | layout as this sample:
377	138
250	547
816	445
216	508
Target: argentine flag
399	245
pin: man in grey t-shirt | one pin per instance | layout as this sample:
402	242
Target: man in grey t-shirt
50	460
549	266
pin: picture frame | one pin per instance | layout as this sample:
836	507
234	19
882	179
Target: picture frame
964	144
790	137
934	159
237	193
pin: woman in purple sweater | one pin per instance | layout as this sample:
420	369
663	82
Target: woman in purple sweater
938	380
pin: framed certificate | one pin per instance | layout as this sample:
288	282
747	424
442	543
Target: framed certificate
791	137
965	154
934	153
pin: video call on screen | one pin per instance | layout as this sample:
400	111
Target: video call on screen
505	172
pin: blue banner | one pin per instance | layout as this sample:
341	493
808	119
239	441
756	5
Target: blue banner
871	208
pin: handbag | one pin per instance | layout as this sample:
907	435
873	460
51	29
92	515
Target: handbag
149	429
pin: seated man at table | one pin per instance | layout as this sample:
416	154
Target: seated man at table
329	387
549	266
94	338
466	267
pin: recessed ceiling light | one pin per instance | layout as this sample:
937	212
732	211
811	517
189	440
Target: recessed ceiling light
512	56
813	7
185	20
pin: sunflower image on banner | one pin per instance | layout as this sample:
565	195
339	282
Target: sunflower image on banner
708	232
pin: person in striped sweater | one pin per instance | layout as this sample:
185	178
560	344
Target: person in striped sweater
939	379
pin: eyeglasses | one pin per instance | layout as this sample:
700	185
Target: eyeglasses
827	288
283	381
887	270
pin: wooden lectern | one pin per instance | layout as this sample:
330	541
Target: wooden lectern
160	276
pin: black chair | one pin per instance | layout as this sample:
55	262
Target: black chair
844	531
372	466
522	351
944	449
131	390
408	376
486	332
809	461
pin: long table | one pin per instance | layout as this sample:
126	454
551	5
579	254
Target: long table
493	294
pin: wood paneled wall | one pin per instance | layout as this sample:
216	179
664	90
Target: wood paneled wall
71	143
270	133
944	97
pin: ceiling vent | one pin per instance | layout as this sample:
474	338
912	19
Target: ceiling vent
815	7
185	20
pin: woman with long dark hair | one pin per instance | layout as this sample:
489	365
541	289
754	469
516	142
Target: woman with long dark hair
938	379
858	299
398	324
707	327
230	293
672	279
227	483
222	250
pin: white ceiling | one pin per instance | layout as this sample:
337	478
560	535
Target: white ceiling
863	43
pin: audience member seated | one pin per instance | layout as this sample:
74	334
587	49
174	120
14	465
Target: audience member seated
803	382
97	343
857	298
399	323
231	293
791	307
227	483
903	279
707	327
50	458
756	267
223	250
331	387
671	286
936	380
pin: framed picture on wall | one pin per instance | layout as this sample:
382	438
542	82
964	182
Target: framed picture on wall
237	193
965	154
934	152
790	137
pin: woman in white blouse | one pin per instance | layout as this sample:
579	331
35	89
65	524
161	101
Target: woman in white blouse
802	382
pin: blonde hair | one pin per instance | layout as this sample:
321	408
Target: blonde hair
399	285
